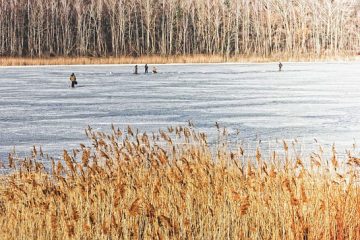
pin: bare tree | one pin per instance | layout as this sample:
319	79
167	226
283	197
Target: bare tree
168	27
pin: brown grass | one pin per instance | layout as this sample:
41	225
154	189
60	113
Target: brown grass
173	185
23	61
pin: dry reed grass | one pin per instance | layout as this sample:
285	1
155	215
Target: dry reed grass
23	61
173	185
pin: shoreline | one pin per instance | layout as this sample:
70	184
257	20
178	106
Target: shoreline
166	60
177	64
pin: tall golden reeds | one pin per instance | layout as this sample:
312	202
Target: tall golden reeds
127	185
158	59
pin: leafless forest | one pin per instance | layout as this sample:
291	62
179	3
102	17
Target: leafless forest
171	27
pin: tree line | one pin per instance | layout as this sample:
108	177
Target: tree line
175	27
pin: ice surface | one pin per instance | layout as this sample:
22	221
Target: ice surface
305	101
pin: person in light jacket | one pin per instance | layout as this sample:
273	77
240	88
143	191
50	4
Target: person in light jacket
154	70
73	80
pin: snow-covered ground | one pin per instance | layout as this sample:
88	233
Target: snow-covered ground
305	101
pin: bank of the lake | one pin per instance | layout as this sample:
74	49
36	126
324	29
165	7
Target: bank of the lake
158	59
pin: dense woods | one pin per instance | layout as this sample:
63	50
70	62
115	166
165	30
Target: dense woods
172	27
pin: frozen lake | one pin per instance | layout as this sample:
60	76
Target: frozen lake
305	101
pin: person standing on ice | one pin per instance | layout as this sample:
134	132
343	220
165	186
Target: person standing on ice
146	68
136	69
73	80
280	66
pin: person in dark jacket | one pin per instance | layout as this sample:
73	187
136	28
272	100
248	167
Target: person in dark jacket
136	69
73	80
280	66
146	68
